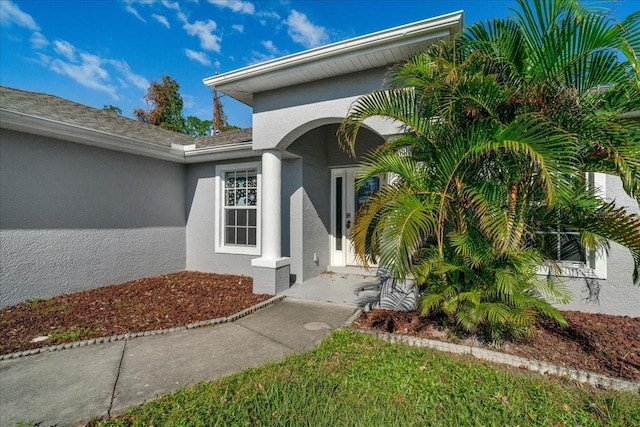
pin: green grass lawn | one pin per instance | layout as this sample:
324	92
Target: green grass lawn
356	380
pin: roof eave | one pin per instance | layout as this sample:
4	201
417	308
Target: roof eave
378	40
26	123
221	152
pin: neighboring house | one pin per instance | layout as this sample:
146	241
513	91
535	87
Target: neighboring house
88	198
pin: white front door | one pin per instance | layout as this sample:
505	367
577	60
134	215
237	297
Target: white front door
345	202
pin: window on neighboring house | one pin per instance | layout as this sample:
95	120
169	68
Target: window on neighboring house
238	222
564	244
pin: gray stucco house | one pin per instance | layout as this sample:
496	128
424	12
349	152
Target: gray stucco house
88	198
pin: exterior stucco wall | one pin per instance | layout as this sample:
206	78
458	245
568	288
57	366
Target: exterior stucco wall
313	201
617	294
201	205
292	216
282	116
75	217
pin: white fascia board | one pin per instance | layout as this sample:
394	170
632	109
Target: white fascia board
183	148
66	132
367	42
225	152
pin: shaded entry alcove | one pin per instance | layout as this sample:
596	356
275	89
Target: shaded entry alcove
314	213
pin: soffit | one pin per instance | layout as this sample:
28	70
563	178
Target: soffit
350	56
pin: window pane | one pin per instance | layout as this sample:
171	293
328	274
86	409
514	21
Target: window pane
570	248
549	244
241	197
230	180
231	216
370	186
563	246
251	237
242	217
252	217
242	236
230	236
230	198
252	197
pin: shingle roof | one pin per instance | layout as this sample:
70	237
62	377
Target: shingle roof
225	138
61	110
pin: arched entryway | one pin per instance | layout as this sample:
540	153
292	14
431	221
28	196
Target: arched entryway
324	205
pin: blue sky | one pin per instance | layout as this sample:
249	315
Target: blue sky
103	52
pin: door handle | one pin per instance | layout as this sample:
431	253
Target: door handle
348	224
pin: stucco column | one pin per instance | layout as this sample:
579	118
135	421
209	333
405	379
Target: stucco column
271	204
271	270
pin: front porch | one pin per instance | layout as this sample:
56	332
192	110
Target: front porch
344	285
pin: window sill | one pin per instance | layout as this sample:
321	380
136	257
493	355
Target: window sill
572	271
238	250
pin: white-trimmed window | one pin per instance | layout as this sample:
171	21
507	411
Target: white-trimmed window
571	257
238	208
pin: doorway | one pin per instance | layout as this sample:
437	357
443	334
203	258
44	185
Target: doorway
345	202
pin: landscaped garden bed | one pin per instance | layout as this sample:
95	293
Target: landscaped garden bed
608	345
161	302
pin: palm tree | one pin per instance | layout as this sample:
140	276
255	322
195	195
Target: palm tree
501	126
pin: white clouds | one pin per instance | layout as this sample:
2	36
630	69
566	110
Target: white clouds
38	41
161	19
43	59
204	31
10	13
268	44
270	15
238	27
89	72
200	57
257	57
136	79
65	49
62	57
237	6
175	6
182	17
134	12
304	32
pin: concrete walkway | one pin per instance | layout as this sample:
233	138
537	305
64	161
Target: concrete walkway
71	386
348	286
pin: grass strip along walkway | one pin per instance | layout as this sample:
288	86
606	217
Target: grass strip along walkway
356	380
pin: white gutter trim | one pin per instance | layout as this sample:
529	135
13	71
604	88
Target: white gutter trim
183	148
226	152
219	149
336	49
26	123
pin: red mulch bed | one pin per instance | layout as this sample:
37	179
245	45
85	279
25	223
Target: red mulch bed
608	345
167	301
